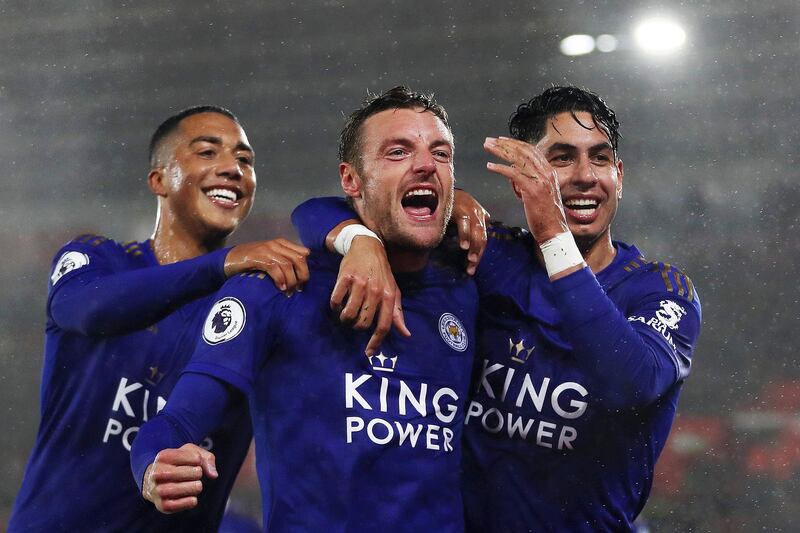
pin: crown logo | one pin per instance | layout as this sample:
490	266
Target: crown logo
519	354
154	377
382	363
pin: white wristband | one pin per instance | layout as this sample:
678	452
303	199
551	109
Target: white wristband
345	238
560	253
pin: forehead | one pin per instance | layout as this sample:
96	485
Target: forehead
210	125
564	128
405	123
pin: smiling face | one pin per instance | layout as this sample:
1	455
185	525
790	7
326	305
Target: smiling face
403	186
589	175
205	177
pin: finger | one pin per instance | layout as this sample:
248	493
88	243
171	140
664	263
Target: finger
300	266
166	473
463	231
398	319
340	291
278	277
355	301
174	491
296	248
287	269
476	248
178	505
382	327
209	464
372	301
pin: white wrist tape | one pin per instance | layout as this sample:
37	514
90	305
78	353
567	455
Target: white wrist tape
345	238
560	253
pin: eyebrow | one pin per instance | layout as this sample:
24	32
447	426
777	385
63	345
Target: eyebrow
408	142
568	147
218	141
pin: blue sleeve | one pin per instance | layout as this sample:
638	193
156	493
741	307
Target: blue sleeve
196	407
243	324
634	359
100	300
315	218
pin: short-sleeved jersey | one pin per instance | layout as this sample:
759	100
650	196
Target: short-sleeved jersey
569	414
347	443
96	392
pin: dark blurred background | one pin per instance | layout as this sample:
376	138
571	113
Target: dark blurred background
710	144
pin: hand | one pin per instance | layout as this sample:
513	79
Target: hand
367	284
535	182
283	260
470	218
173	481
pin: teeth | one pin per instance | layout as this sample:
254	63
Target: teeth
581	202
222	194
420	192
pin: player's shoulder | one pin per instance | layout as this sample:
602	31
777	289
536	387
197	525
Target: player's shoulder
503	232
87	250
659	277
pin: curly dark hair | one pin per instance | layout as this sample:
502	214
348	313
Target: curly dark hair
529	122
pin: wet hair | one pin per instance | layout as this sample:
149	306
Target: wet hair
529	122
171	124
397	98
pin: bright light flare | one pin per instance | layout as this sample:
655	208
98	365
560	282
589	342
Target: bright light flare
577	45
659	36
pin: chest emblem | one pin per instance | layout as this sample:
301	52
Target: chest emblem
519	353
453	333
225	321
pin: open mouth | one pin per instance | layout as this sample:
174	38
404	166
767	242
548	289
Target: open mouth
582	208
223	197
420	202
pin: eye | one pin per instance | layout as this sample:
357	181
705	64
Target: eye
396	153
560	159
442	156
245	160
207	153
602	158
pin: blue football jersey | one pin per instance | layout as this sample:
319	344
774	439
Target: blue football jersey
98	389
575	388
345	442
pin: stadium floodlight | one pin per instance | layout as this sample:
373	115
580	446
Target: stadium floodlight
606	43
659	36
577	45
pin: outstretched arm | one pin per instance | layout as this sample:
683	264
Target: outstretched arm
97	300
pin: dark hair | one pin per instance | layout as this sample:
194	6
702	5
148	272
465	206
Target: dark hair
169	125
529	122
399	97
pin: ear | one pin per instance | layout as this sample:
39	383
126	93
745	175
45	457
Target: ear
350	180
620	176
155	180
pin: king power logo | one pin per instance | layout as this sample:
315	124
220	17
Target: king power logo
133	405
396	413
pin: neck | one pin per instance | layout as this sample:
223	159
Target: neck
405	259
599	253
172	243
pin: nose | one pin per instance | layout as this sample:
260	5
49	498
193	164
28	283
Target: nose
230	167
584	173
424	163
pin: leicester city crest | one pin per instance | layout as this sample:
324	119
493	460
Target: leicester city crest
68	262
225	321
453	333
